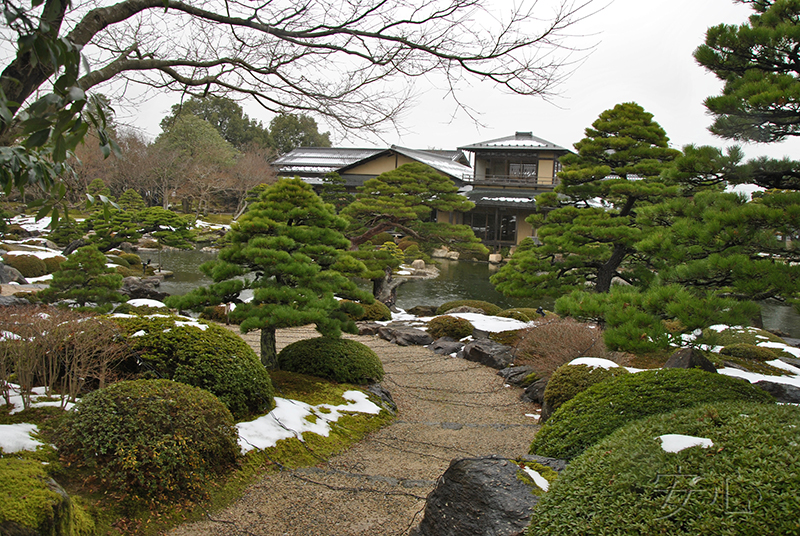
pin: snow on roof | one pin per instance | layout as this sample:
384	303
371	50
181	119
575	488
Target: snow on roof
437	161
520	140
321	159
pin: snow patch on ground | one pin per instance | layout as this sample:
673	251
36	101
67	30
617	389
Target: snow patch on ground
538	479
594	362
17	437
144	302
679	442
39	399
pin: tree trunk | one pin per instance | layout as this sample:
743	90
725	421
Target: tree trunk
385	288
269	353
607	271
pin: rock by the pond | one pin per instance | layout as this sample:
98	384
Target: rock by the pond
405	336
490	353
9	274
535	391
783	392
515	375
689	358
446	346
423	310
385	396
464	309
418	264
368	328
481	496
137	287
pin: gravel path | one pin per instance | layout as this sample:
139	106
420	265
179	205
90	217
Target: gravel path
447	408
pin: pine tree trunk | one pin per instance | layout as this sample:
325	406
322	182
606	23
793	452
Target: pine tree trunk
269	354
609	269
385	288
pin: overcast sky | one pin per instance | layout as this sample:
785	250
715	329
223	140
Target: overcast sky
643	54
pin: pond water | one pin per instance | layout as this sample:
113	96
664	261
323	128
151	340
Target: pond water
456	281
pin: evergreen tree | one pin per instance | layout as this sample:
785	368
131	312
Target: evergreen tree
288	248
589	233
131	200
226	116
289	131
333	191
169	228
85	278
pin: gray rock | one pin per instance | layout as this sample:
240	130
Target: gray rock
9	301
535	391
418	264
137	287
515	375
689	358
384	394
423	310
784	393
464	309
446	346
405	336
481	496
9	274
368	328
489	353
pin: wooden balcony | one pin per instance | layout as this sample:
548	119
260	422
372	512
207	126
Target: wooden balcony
506	181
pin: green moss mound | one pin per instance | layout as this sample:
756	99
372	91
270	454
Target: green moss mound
151	439
516	314
53	263
738	335
131	258
627	484
119	261
450	326
569	380
606	406
749	351
340	360
488	308
28	265
374	312
213	358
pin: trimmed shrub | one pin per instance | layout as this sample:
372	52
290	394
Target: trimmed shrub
340	360
84	278
749	351
53	263
151	439
569	380
376	312
132	259
627	484
487	308
450	326
606	406
515	314
381	238
28	265
213	358
119	261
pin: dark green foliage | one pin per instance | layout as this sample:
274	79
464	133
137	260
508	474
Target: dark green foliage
381	238
516	314
65	232
340	360
169	228
28	265
646	320
449	326
376	311
333	191
151	439
214	359
288	131
627	484
84	278
619	162
131	200
132	259
458	238
569	380
749	351
119	261
53	263
604	407
112	229
488	308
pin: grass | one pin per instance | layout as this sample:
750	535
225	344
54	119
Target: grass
115	516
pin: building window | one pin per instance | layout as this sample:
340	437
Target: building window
522	171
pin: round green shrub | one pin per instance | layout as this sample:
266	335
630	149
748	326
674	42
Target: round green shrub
53	263
213	358
627	484
374	312
28	265
132	259
569	380
381	238
340	360
488	308
151	439
119	261
450	326
516	314
606	406
749	351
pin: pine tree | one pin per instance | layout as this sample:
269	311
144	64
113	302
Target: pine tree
589	239
85	278
289	250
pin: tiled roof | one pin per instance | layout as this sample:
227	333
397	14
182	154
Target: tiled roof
444	163
320	159
520	140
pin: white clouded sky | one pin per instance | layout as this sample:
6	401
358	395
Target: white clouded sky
643	54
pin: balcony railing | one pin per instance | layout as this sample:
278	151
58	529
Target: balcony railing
510	180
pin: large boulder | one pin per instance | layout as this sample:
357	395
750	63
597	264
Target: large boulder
689	358
9	274
142	288
489	353
446	346
405	336
535	391
783	392
482	496
516	375
423	310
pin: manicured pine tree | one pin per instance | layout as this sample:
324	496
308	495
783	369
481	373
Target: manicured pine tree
589	232
289	250
85	278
